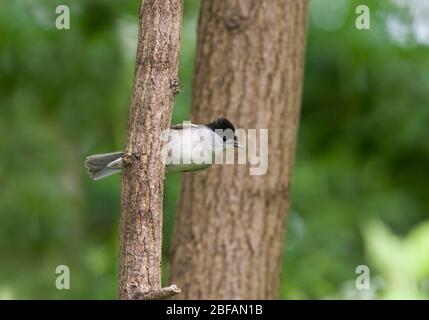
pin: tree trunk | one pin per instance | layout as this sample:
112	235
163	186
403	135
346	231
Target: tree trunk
155	86
229	234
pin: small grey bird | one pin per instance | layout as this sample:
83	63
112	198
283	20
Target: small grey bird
184	141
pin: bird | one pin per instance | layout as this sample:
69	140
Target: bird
184	140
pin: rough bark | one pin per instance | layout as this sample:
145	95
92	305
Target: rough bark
229	234
155	85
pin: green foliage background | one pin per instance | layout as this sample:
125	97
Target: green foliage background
360	184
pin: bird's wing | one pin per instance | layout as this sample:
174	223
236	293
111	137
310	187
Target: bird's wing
181	126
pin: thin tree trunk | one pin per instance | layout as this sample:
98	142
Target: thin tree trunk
229	234
155	86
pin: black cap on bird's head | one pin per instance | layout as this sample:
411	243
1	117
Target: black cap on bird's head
221	124
224	125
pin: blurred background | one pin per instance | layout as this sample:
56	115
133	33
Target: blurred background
360	183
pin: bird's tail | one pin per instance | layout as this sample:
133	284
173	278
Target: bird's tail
103	165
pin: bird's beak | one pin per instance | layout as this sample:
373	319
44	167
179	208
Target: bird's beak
237	145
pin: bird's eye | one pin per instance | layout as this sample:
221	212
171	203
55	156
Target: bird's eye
224	139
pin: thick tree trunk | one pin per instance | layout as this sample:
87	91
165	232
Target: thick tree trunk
229	235
155	86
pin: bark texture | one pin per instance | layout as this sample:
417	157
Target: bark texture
229	234
155	86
